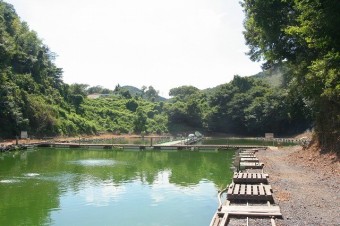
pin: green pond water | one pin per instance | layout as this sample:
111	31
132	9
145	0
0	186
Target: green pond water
50	186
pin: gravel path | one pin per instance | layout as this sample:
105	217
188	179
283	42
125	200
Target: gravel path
305	185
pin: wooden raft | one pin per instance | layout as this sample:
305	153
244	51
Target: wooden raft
253	159
250	192
248	151
252	210
251	165
246	155
221	217
244	178
247	194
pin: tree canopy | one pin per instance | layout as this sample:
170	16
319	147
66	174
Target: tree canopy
305	36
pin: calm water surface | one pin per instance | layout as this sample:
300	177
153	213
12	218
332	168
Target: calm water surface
111	187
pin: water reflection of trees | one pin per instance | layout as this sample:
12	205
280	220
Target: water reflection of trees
186	167
29	202
24	199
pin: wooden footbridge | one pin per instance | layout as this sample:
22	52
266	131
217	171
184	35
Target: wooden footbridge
249	195
179	146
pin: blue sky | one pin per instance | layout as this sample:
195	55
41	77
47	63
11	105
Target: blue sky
165	44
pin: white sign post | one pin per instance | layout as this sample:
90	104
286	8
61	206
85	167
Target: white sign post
23	135
269	135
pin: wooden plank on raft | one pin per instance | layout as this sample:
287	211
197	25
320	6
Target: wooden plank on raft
246	151
255	189
249	159
230	192
248	189
252	210
230	189
261	191
224	220
243	189
268	190
246	155
216	219
251	165
236	189
258	192
244	178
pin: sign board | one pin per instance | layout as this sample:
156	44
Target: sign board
269	135
23	135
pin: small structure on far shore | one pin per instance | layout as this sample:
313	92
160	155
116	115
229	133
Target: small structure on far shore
194	138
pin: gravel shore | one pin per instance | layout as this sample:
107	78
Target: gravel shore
305	185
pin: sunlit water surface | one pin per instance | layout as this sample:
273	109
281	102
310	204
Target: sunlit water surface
111	187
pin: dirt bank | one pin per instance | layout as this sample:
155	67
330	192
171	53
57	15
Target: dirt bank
305	185
66	139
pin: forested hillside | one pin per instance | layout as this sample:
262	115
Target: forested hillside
305	37
244	106
33	97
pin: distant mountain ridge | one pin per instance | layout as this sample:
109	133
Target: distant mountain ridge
134	91
273	77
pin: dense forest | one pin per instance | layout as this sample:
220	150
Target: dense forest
281	99
305	37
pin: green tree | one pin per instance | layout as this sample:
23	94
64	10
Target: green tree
183	91
151	94
140	121
304	35
95	89
79	89
132	105
125	93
